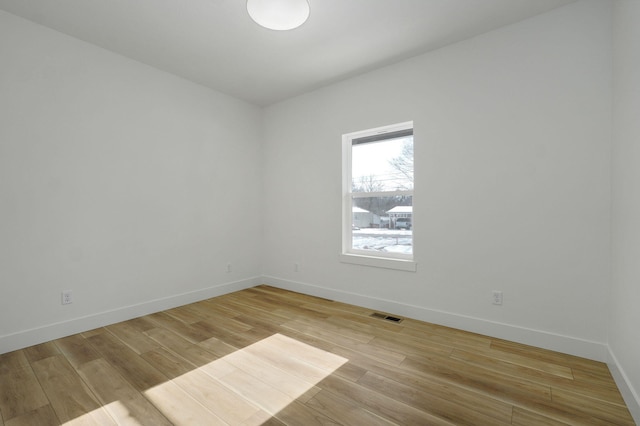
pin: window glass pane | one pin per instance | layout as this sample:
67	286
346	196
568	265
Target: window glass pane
385	165
383	224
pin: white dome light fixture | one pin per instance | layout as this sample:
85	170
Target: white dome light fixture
279	15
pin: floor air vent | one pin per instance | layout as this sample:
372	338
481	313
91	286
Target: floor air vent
386	317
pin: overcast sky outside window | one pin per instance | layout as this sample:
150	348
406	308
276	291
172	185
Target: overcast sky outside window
372	159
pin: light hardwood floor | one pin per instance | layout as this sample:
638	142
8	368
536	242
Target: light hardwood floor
266	356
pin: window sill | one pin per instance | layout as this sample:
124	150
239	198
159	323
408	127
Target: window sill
378	262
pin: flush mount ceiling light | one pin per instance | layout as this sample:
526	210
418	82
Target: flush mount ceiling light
278	14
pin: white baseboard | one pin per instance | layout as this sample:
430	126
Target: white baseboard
34	336
578	347
630	395
542	339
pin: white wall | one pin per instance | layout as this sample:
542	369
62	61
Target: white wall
131	187
512	149
135	188
624	327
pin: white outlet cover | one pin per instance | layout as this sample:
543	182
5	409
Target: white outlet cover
67	297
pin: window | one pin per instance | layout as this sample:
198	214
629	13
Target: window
378	215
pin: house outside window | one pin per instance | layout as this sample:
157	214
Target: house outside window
378	195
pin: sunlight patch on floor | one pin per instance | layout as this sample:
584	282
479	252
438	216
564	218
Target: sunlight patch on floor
99	416
248	386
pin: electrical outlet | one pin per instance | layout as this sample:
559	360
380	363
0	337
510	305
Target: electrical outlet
296	267
67	297
497	297
228	267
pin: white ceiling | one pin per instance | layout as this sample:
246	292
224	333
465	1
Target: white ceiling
215	43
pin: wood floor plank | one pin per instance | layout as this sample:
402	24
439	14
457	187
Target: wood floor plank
209	316
307	353
597	379
445	408
393	407
319	332
289	309
465	398
262	418
291	385
273	303
471	342
94	332
500	385
311	372
137	371
340	309
133	336
208	391
13	360
258	321
179	407
217	347
217	306
209	329
353	335
184	314
194	354
297	413
549	356
245	308
523	417
370	325
598	409
42	351
610	395
267	397
564	414
349	370
344	412
77	349
125	404
529	362
268	356
20	392
43	416
169	363
517	369
297	311
70	398
247	338
295	298
184	330
410	346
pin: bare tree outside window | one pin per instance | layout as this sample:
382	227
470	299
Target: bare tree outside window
403	164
